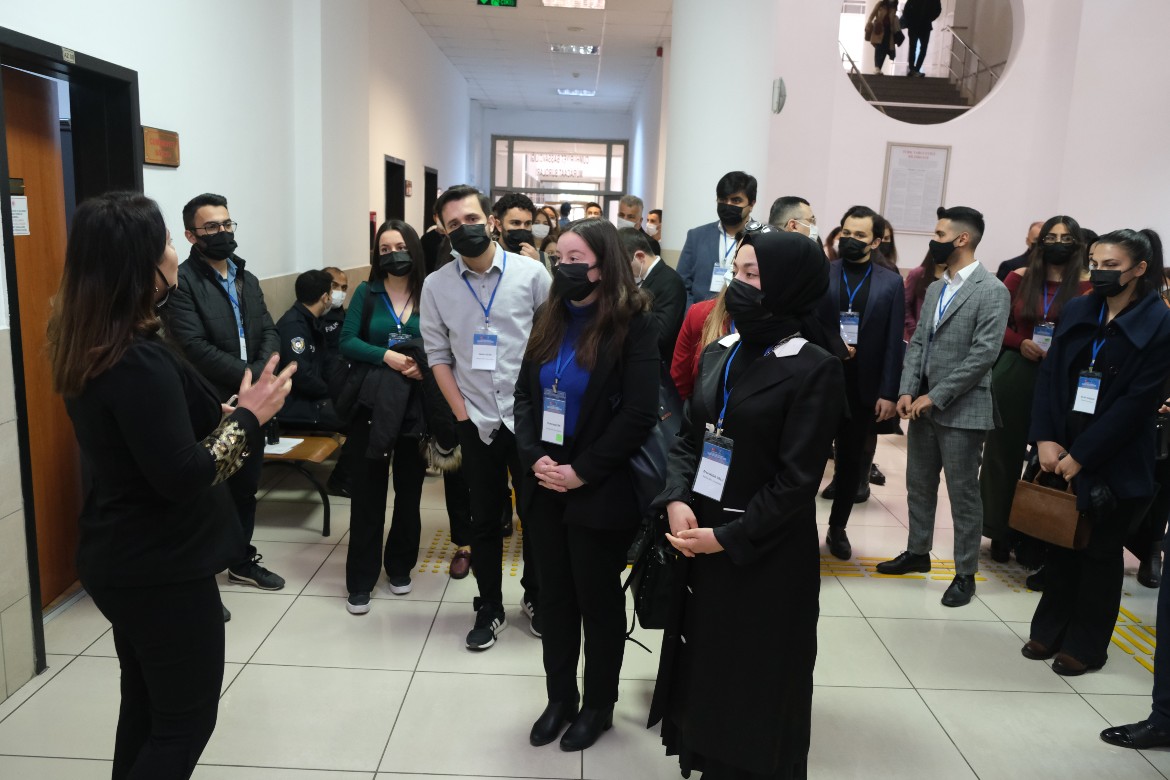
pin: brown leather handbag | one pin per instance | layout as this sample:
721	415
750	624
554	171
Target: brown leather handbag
1049	515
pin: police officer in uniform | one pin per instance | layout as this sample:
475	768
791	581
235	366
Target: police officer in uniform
303	341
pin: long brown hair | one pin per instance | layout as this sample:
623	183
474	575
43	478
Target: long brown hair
718	322
1029	303
619	302
107	291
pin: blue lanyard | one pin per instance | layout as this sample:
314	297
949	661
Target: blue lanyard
726	389
562	364
487	310
1098	343
729	246
941	308
1047	303
235	305
394	314
853	293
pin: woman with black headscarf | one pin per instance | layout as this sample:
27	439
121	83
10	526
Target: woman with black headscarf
735	684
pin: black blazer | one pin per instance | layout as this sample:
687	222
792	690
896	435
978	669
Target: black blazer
618	411
1117	447
879	339
669	300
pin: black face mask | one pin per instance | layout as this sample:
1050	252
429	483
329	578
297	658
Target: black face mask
886	248
470	240
729	214
745	306
571	281
852	249
396	263
1107	283
1058	254
218	246
514	238
941	251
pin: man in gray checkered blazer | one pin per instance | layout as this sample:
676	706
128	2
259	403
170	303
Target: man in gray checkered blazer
945	392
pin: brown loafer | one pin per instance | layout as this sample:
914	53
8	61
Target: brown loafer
1035	651
460	564
1065	664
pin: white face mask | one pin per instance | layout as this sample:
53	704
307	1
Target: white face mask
539	231
337	298
813	233
624	223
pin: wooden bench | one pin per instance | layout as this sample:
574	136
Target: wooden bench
313	449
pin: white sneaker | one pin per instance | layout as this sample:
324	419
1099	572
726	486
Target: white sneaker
358	603
400	586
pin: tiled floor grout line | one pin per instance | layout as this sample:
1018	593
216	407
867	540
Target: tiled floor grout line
1142	753
38	690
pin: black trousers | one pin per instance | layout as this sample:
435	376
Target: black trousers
485	469
458	500
170	644
580	586
243	486
856	444
883	50
367	510
919	40
1152	529
1082	589
1160	713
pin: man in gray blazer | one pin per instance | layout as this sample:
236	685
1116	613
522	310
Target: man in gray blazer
945	392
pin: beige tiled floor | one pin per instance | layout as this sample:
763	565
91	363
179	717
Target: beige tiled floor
905	687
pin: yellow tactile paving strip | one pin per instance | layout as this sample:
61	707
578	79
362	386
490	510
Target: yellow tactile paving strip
437	556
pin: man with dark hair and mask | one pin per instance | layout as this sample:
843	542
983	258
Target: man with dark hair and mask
476	316
867	303
707	253
945	393
514	215
218	318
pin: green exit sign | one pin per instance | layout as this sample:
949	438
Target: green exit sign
498	3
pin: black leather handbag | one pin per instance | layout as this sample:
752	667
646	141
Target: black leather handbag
649	463
656	576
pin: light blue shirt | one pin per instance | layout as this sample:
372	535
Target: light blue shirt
229	287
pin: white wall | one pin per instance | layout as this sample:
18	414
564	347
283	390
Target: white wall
545	124
419	109
644	139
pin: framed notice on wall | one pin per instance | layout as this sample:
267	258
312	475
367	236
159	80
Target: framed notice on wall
915	186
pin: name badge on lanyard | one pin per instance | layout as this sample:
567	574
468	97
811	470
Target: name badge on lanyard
715	460
397	336
1042	335
851	320
1089	382
556	406
239	325
486	342
720	274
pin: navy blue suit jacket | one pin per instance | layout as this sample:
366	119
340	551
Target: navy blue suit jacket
879	339
697	261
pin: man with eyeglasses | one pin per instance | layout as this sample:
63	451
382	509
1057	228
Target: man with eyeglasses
794	214
219	319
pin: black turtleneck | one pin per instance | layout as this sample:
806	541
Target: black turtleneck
854	273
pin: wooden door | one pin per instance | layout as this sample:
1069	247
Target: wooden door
32	127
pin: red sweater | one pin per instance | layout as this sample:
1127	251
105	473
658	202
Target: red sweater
685	363
1019	329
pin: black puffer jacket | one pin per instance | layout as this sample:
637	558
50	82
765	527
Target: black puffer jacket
200	319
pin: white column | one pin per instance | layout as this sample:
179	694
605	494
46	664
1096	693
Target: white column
719	106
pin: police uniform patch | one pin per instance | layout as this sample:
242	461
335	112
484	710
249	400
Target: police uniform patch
298	345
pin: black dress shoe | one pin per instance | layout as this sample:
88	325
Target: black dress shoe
335	487
586	728
1137	735
1067	666
1034	651
830	492
961	589
1149	572
548	726
862	495
1001	552
226	615
1035	581
905	563
838	542
876	477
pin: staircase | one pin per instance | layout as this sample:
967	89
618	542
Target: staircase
902	89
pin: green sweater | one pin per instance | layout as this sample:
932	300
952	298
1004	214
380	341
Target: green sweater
374	348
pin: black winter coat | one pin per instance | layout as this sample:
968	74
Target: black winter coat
399	406
200	319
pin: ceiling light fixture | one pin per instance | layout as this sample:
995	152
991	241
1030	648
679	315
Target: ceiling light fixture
577	92
572	48
589	5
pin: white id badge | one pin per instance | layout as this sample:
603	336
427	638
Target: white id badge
484	347
552	429
1042	335
718	278
850	323
1088	388
714	464
243	349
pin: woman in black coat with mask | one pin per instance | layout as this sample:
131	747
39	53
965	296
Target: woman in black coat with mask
586	399
1093	421
734	689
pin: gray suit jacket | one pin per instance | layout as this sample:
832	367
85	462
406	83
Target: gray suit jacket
957	361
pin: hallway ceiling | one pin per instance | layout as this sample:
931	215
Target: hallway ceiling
504	52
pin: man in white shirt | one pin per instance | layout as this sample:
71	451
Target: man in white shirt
476	316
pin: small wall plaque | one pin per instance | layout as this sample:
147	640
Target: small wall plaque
160	147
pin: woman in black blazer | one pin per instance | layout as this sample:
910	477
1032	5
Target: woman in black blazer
735	683
586	399
1102	440
158	521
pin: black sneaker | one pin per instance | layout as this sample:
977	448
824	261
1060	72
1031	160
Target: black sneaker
252	573
358	603
529	609
399	586
490	620
226	615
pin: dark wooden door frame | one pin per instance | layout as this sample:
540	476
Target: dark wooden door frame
430	197
107	135
386	187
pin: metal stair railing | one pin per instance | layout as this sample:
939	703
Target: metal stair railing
866	91
969	72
